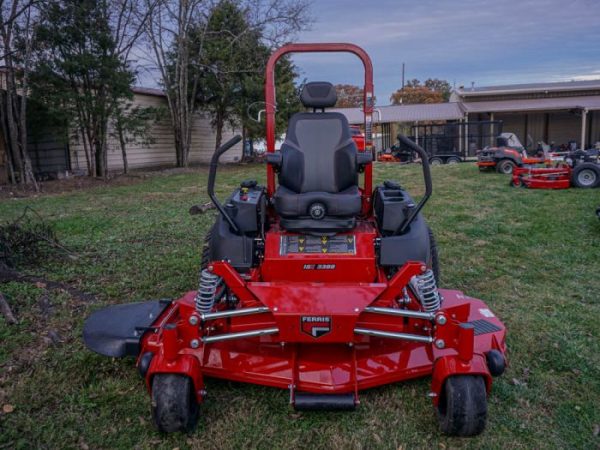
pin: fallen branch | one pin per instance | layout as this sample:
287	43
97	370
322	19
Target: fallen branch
28	238
201	209
6	311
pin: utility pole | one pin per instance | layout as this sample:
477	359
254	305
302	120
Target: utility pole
402	89
402	75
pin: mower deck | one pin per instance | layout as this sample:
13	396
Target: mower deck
542	178
340	367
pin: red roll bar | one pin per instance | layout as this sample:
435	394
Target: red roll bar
367	100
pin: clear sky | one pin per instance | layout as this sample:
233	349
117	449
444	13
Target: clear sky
462	41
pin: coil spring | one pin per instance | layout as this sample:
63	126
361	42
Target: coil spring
425	289
207	289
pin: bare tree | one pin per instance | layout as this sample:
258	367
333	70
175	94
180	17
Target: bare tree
169	34
15	49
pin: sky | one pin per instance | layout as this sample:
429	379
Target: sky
461	41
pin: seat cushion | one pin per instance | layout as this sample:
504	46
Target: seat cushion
346	203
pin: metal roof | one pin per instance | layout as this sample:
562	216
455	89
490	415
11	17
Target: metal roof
529	87
148	91
534	104
406	113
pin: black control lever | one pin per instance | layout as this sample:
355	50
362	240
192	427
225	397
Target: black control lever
427	177
212	174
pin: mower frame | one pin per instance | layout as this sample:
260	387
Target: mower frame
323	324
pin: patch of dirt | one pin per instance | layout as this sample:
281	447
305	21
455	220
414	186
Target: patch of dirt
78	183
8	191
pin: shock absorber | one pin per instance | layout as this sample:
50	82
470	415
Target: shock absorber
207	289
425	288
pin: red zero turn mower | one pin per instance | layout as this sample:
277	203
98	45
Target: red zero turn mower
314	285
581	169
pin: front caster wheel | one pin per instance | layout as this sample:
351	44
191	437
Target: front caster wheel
174	405
462	410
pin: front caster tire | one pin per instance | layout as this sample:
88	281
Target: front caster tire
174	405
462	410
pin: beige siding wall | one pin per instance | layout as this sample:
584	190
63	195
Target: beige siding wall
162	152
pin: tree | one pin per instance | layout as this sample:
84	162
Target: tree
432	91
251	100
16	19
349	96
438	85
83	68
180	66
233	67
133	125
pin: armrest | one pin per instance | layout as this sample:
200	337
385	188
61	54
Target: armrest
363	158
275	159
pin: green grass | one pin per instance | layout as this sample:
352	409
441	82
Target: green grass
531	255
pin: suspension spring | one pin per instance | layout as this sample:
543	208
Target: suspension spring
425	288
207	289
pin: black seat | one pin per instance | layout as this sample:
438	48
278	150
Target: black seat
318	167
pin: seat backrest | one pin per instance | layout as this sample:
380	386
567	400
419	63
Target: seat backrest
318	154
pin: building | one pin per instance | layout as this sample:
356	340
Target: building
55	151
550	112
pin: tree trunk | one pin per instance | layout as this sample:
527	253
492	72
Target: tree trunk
123	147
29	177
218	130
86	151
99	158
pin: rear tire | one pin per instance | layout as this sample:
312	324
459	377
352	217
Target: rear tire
435	161
462	410
205	259
586	175
505	166
174	405
453	160
434	260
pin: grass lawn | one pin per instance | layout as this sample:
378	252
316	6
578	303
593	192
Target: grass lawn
531	255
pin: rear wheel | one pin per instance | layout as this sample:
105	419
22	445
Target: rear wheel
586	175
505	166
434	261
174	405
462	409
205	259
435	161
453	160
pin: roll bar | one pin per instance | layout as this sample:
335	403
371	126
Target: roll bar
367	100
212	175
426	176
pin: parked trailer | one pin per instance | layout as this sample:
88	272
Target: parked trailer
454	142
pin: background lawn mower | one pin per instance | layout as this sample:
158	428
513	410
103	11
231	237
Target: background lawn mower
508	154
581	169
314	285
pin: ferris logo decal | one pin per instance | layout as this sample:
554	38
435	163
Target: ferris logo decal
319	266
316	326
